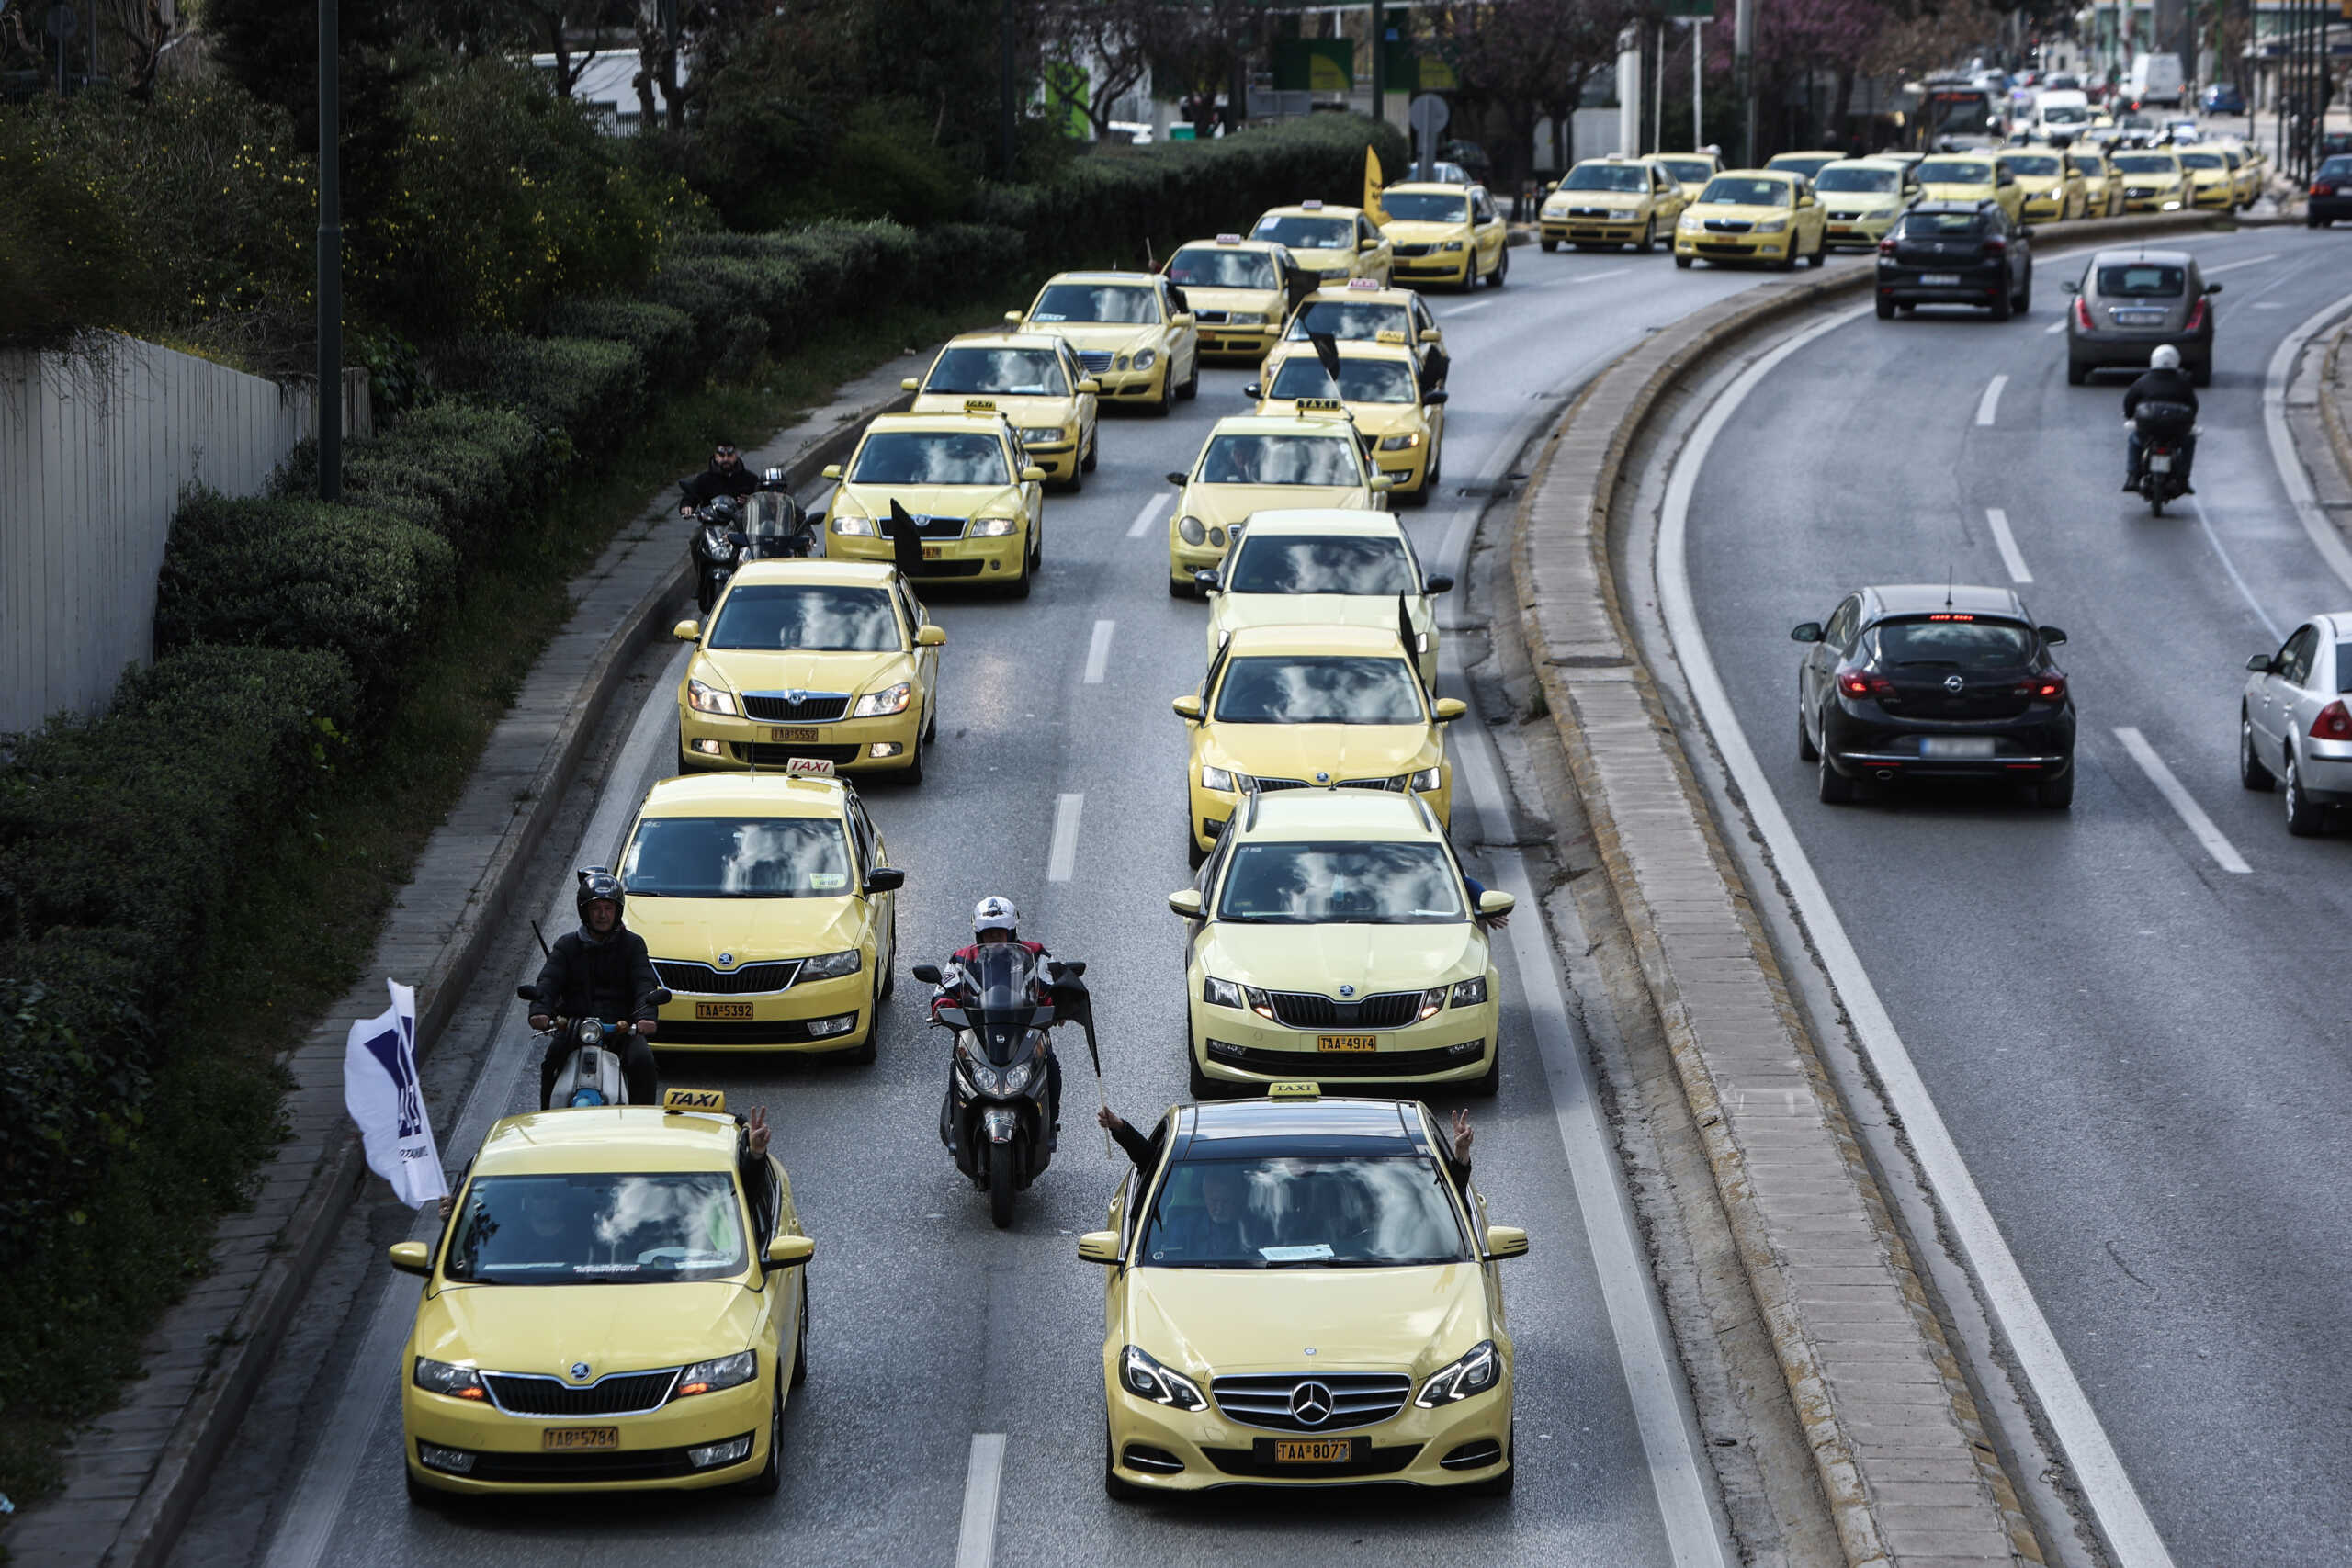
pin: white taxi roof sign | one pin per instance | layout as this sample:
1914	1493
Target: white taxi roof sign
1228	239
809	767
710	1099
1391	337
1312	206
1294	1088
1363	283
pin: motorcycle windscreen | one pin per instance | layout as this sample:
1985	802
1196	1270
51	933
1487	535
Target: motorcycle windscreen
1000	982
770	515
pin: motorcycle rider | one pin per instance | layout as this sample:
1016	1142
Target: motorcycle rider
601	971
725	476
995	920
2163	382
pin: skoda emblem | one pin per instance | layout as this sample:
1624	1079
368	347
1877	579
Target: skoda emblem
1310	1349
725	959
579	1372
794	697
1310	1403
1322	778
1953	683
1347	990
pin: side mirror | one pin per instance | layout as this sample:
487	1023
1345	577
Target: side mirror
1805	631
1437	584
1254	390
1013	318
1505	1241
2050	634
2212	289
1032	475
885	879
1186	902
1181	320
2262	664
1431	335
1491	904
1206	579
1434	400
910	384
1381	483
1089	385
1448	709
1188	708
930	637
1367	245
2072	285
926	973
659	996
1099	1246
792	1251
832	470
1178	480
412	1257
687	631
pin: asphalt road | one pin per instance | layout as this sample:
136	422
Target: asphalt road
2140	1053
929	1326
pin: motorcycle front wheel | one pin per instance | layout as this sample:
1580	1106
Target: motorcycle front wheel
1000	1184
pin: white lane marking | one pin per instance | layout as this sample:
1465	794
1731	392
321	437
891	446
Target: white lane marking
2192	815
2122	1518
983	1479
1061	859
1465	309
1990	403
1098	652
2297	483
1594	276
1998	521
2213	537
1149	516
2250	261
2271	305
2054	328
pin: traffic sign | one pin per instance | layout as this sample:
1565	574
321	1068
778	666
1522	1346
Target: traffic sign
1428	113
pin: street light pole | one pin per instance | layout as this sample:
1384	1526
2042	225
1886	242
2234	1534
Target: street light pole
1379	62
1743	77
330	288
1698	81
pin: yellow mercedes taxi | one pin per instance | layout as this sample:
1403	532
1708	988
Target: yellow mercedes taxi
1610	201
1860	200
1381	388
769	907
1315	457
1327	567
2152	181
1302	1291
1241	292
618	1302
1290	706
1361	308
1329	241
815	660
1034	380
2212	182
1331	935
1972	177
2050	188
977	501
2102	191
1750	215
1448	234
1131	333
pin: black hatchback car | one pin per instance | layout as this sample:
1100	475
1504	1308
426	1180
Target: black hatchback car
1956	253
1925	680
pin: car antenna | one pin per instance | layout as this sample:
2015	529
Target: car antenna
1948	581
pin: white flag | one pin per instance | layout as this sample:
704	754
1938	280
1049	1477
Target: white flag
381	1091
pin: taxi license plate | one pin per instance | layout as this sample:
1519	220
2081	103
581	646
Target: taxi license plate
1956	746
1347	1043
1313	1450
1940	279
778	732
561	1438
931	552
739	1010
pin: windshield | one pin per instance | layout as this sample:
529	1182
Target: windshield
1951	645
999	977
2146	163
1115	302
1294	563
2142	280
1281	460
717	857
1208	266
1016	372
1311	1214
1630	177
1361	380
1352	320
931	457
1426	206
1726	191
810	616
1687	171
1324	689
2091	164
1955	171
1807	165
2066	114
1306	234
597	1229
767	515
1385	882
2201	160
2034	165
1835	179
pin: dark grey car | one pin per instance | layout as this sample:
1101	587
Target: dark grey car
2128	303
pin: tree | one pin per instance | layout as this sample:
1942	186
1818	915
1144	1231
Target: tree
1111	41
1520	58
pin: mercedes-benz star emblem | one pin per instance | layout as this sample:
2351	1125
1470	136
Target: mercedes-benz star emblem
579	1372
1310	1405
1953	684
1347	990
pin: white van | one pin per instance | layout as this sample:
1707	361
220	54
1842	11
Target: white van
2155	79
2061	112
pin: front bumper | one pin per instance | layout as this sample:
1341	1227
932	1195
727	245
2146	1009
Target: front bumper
2216	197
1238	342
997	558
510	1453
1614	231
1409	469
2154	202
1860	234
1734	247
1234	1045
2053	206
1058	458
771	1020
720	741
1445	266
1132	385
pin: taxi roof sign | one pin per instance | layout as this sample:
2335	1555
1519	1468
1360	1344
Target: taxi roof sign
979	405
1294	1088
1228	239
1321	405
1363	283
1312	206
1389	337
711	1099
809	767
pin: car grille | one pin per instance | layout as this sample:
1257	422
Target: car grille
1333	1063
1209	318
1357	1399
1305	1010
1604	213
594	1467
812	707
1093	361
617	1393
1251	1463
948	569
1393	782
1844	217
2134	192
1729	225
701	979
776	753
775	1031
1413	250
933	528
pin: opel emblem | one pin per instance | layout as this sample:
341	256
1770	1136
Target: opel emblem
1953	683
579	1372
1347	990
725	959
1310	1405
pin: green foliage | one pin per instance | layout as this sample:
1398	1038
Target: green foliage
457	466
663	335
66	261
591	389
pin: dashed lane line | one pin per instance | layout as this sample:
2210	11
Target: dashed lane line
1149	516
1061	859
983	1480
1998	521
2177	795
1990	403
1098	652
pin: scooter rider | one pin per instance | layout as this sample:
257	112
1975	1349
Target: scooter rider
994	919
2164	382
727	475
601	971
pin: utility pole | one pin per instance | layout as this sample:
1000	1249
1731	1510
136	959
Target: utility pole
1698	81
1743	77
330	288
1380	60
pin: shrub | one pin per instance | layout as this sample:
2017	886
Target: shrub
66	260
456	466
590	389
663	335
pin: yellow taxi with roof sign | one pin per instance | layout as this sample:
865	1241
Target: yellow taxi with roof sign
1241	292
960	482
1860	200
1315	457
1359	309
1132	332
1692	171
1442	234
2212	182
2153	179
1753	215
2102	191
1379	385
1035	380
618	1302
1329	241
1972	177
2050	187
1327	567
1612	201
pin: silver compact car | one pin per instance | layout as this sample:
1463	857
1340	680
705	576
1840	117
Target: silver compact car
2128	303
2295	729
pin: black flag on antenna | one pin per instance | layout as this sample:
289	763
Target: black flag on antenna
1405	632
1327	350
906	540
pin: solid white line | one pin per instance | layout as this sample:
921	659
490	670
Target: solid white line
2192	815
1465	309
2054	328
1999	522
1991	401
1098	652
2213	537
2316	522
2122	1518
1595	276
2250	261
1061	859
983	1478
1149	516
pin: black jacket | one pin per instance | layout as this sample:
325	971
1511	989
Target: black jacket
714	481
2160	387
609	978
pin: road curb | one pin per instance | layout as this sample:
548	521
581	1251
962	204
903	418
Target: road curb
2331	413
219	1342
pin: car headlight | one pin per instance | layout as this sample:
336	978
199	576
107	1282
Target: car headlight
831	965
1140	1374
440	1377
881	703
1474	1374
1189	529
704	697
1248	318
720	1372
1451	245
1426	780
1221	993
1400	443
1470	993
1772	226
1043	433
1690	222
847	525
1217	779
1432	1003
1146	358
1555	210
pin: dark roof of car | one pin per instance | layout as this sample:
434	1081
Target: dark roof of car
1977	204
1927	598
1265	1129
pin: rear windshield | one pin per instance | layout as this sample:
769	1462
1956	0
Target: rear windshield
1934	225
1320	690
1361	380
1930	643
2035	165
2336	169
1727	190
1807	165
2066	114
1299	563
2343	666
720	857
1207	266
1836	179
1687	171
1426	206
2146	163
1955	171
807	616
2142	280
1607	176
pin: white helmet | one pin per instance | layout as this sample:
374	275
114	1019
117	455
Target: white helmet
2166	357
995	913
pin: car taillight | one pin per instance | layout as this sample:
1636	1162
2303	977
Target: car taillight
2043	688
2196	317
2323	188
2334	723
1994	245
1861	684
1887	246
2082	314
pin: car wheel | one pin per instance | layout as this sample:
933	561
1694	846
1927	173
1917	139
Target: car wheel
1192	387
2077	373
2055	794
1807	750
1019	587
930	725
1885	309
1202	1087
771	1475
2201	373
1835	788
2251	772
1787	262
1820	257
1502	269
2025	295
419	1495
1552	245
1178	588
1488	1084
1117	1490
800	1340
1649	238
2003	305
1166	402
2303	815
863	1054
1093	452
1683	261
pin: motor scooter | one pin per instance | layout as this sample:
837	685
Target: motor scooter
997	1117
2165	430
591	1074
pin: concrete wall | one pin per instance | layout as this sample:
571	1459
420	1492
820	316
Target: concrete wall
95	452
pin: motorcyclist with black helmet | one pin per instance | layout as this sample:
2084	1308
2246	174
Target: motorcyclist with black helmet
601	971
727	474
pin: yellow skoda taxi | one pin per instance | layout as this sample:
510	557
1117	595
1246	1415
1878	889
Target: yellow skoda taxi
2212	182
1314	458
1692	171
1860	200
1332	936
1972	177
769	907
2102	191
2050	188
1752	215
1034	380
618	1303
1286	707
814	660
1380	387
2152	181
1612	201
1131	333
1326	568
1241	292
977	501
1302	1291
1448	234
1329	241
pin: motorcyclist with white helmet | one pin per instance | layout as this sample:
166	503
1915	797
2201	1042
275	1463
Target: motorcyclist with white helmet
994	919
2164	383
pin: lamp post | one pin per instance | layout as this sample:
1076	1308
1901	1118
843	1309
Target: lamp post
330	288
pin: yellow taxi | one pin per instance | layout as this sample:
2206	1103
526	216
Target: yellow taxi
831	661
1380	387
2152	181
1972	177
2102	192
2249	166
1286	707
1804	164
1315	457
1034	380
769	907
2212	182
1860	200
1327	567
1610	201
1132	334
976	501
1753	215
1240	292
2050	188
1692	171
618	1302
1445	233
1331	935
1360	309
1329	241
1302	1291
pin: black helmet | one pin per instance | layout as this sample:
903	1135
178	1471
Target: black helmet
596	882
727	509
773	479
